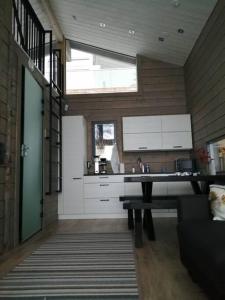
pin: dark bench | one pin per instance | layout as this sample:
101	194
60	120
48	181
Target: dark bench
135	203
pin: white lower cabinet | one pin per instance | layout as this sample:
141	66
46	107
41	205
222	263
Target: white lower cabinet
103	205
179	188
101	196
73	195
98	196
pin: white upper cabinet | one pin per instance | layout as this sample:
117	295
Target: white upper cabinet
174	123
142	141
142	124
169	132
176	140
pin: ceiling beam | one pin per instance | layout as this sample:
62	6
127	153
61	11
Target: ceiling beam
52	20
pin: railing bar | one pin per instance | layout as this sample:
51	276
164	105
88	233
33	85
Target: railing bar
21	16
28	32
33	14
50	116
35	46
13	24
44	53
32	41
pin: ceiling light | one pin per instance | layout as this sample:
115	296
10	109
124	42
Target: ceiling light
175	3
161	39
165	33
103	25
180	30
131	32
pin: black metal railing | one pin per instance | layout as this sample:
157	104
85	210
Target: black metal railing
28	32
37	43
55	119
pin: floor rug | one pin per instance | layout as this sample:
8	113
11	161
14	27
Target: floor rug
76	266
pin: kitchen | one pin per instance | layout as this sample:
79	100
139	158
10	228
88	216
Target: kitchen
161	93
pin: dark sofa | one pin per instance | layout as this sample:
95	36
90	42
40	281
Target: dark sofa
202	244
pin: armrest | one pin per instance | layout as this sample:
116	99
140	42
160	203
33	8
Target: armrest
193	207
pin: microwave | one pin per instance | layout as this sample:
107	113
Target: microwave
185	165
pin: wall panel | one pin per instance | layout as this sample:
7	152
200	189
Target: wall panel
161	91
205	79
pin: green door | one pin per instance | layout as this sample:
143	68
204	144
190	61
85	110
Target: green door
31	158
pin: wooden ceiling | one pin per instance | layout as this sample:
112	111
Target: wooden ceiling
131	27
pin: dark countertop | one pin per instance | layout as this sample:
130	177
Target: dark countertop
128	174
167	178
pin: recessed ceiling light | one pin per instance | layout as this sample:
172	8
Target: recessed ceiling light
161	39
103	25
175	3
131	31
180	30
165	33
74	17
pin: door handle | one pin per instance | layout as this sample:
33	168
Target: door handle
105	200
76	178
104	184
24	150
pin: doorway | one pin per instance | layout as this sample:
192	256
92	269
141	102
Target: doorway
31	178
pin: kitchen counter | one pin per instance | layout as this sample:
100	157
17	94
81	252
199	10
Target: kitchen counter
133	174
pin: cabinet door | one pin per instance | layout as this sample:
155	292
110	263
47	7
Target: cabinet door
99	190
103	178
142	124
103	205
132	188
142	141
176	123
179	188
73	195
176	140
159	188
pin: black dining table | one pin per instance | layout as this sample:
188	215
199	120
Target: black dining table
200	185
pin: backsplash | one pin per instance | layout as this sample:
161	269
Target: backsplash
159	161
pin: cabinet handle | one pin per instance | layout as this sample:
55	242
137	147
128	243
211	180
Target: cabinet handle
104	184
103	177
104	200
77	178
142	148
177	147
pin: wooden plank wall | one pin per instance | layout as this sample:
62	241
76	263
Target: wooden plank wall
11	60
7	129
161	91
205	79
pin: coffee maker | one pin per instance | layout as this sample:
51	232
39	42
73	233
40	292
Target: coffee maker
103	166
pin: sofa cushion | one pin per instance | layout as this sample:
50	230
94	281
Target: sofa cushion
217	199
203	247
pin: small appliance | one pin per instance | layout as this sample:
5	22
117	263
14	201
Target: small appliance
96	164
185	165
103	166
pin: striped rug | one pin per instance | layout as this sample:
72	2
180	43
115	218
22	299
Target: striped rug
76	266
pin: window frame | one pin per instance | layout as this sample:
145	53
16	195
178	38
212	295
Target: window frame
93	123
112	55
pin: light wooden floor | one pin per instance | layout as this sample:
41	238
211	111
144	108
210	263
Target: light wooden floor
161	275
